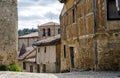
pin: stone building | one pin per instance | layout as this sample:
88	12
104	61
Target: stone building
48	47
27	59
27	53
48	54
27	40
90	35
8	31
48	30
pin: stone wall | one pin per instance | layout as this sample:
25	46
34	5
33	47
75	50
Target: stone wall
27	41
8	31
53	29
95	39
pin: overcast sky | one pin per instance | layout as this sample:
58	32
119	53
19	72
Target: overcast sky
32	13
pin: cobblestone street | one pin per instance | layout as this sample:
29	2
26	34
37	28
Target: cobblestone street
85	74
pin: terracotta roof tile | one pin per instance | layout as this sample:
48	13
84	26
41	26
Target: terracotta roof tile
35	34
48	41
50	23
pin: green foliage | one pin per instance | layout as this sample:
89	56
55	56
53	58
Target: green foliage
26	31
3	68
12	67
87	69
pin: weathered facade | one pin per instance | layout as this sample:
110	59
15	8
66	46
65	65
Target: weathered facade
48	47
90	34
48	54
27	59
48	30
27	40
8	31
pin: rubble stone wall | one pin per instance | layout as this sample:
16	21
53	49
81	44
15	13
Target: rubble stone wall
8	31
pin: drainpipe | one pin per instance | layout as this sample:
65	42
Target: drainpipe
95	38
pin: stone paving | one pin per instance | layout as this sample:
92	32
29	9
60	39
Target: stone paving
85	74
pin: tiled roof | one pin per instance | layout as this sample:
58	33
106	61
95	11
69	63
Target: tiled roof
49	41
30	59
35	34
50	23
28	51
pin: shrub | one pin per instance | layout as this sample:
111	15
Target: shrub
4	68
14	67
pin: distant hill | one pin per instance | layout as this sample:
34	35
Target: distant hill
26	31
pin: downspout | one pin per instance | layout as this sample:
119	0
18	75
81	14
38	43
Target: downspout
95	38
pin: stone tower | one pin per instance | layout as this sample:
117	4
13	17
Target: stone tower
8	31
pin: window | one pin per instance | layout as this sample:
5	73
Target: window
64	51
49	32
43	32
24	65
38	50
113	9
73	16
45	50
58	30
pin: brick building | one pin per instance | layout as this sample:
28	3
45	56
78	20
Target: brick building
90	35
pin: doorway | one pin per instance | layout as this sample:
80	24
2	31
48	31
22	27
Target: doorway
31	68
44	68
72	57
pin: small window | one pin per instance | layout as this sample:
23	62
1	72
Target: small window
58	30
64	51
38	50
45	50
49	32
113	9
43	32
73	16
24	65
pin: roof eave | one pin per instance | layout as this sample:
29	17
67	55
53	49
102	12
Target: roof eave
62	1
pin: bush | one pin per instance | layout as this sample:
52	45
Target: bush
14	67
3	68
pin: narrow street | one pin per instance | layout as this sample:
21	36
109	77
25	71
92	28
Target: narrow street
86	74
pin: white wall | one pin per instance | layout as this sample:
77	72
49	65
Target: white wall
48	57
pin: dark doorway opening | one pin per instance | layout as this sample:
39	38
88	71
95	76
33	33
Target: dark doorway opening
44	68
72	56
31	68
38	68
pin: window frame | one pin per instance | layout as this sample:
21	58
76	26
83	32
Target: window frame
108	17
49	32
43	30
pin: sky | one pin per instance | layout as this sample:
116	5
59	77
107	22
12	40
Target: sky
32	13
